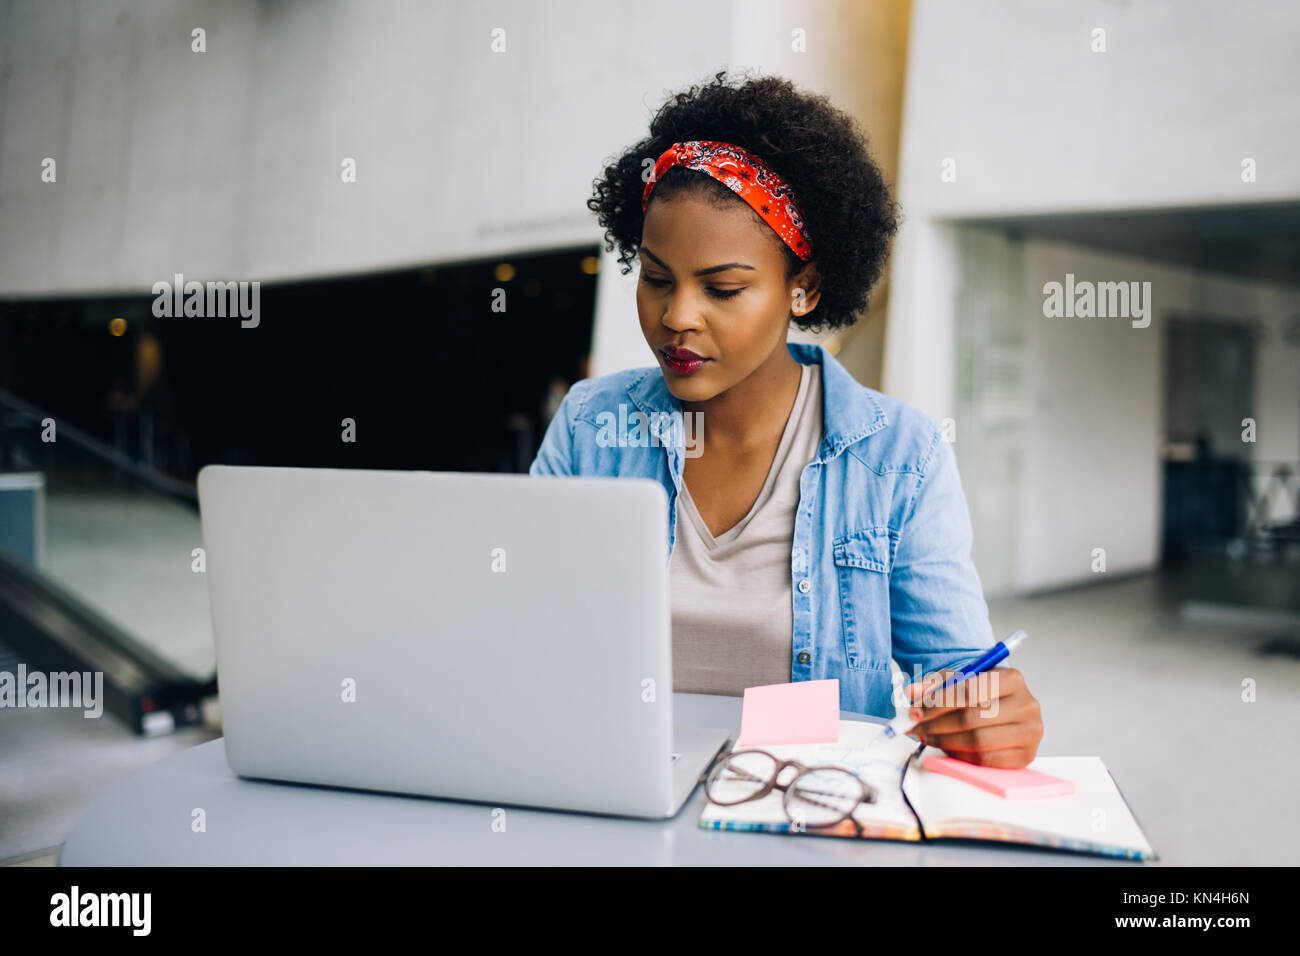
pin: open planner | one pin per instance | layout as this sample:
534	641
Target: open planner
1094	819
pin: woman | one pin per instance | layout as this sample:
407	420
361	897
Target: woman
817	528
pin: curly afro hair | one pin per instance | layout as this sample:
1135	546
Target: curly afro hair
818	149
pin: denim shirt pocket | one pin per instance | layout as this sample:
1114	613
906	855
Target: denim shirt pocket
863	561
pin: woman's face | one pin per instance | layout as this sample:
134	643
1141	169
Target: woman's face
713	283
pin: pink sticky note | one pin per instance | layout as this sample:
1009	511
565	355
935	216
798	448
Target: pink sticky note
1009	784
805	712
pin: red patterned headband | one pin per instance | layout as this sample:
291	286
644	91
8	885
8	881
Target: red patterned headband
748	177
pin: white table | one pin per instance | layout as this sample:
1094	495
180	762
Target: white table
145	820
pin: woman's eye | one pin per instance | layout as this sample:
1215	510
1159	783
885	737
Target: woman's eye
716	293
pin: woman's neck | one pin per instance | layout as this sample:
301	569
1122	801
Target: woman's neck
752	412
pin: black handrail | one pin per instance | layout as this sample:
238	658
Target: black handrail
52	629
156	480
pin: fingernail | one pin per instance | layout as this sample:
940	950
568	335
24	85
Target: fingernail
914	713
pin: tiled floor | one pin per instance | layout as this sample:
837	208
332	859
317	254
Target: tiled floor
1122	674
54	762
1119	672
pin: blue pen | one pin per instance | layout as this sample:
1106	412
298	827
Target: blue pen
902	723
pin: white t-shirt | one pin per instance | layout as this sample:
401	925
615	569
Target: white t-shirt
732	614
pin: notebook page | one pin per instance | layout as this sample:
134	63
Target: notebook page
1093	817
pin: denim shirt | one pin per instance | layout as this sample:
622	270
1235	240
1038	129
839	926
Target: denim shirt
880	564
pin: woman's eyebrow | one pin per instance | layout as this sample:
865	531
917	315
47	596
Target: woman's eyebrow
701	272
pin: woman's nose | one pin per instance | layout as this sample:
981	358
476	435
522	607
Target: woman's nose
682	312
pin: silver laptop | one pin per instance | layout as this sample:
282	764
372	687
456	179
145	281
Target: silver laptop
484	637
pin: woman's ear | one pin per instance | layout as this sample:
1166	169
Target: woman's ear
805	290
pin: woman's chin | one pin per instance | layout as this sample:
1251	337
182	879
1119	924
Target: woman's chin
691	388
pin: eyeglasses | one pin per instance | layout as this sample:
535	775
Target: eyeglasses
816	797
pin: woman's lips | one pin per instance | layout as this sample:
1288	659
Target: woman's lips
682	361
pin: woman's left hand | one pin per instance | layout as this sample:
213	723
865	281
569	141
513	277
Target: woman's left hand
990	719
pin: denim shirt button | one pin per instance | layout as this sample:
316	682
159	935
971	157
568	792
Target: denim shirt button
804	657
804	586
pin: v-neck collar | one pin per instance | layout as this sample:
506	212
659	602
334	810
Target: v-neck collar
797	411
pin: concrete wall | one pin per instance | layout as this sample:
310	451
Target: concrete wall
1096	386
1036	122
1033	121
227	164
1060	455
